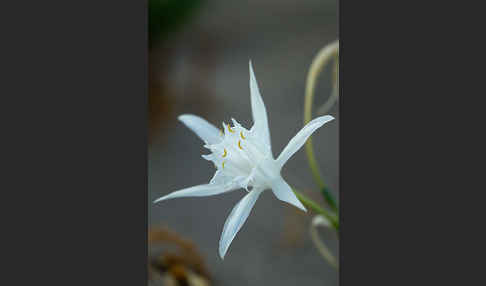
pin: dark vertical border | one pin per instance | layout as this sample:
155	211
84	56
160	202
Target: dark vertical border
75	75
407	186
369	237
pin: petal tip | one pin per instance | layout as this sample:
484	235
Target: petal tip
222	251
326	118
298	204
252	73
182	117
185	119
221	255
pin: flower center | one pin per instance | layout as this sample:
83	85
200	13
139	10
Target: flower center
238	155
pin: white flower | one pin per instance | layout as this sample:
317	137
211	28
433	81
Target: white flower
244	159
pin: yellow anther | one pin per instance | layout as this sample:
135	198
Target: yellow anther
241	134
221	132
230	130
239	144
225	153
223	164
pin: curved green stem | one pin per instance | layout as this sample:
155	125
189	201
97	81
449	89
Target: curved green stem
321	246
317	65
333	98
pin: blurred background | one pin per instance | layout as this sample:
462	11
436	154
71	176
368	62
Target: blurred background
198	63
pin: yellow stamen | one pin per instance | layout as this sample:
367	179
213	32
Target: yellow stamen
221	132
225	153
230	130
223	164
241	134
239	144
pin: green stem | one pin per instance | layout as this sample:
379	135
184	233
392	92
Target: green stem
333	98
319	243
322	58
329	198
315	207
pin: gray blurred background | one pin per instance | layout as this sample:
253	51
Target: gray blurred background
201	67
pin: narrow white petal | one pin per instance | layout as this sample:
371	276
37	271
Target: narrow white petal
205	130
299	139
220	178
284	192
236	219
258	110
199	191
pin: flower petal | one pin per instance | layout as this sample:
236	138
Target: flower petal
284	192
236	219
205	130
220	178
199	191
299	139
259	111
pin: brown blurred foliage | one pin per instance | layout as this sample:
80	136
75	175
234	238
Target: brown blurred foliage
174	260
